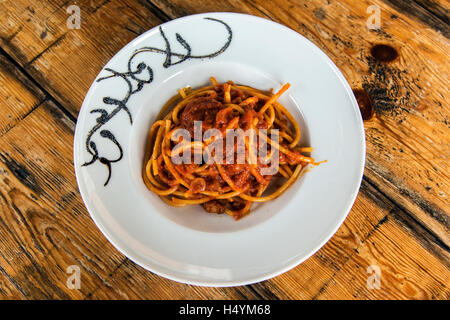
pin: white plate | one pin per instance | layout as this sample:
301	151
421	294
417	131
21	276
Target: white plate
190	245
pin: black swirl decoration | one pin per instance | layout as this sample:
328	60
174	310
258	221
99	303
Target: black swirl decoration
135	80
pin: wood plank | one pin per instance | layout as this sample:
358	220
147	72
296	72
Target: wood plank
335	263
408	270
434	13
29	28
66	61
43	216
9	290
130	281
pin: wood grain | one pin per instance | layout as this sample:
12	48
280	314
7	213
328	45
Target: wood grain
399	221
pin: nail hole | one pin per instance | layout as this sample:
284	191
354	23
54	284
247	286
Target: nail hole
365	104
383	53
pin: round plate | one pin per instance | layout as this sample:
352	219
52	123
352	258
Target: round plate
188	244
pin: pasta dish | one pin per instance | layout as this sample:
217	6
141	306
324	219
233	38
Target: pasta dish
221	146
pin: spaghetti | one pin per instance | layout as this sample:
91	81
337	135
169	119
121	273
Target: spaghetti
217	185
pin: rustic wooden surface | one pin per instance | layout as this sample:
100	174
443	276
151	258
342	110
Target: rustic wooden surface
399	222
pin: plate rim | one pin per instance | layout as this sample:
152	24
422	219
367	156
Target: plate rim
267	275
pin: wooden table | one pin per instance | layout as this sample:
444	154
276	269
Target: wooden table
399	222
